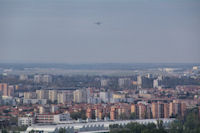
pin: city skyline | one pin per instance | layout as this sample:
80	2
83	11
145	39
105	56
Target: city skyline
107	66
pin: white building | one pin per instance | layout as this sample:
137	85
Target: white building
30	95
54	108
23	77
104	82
155	83
25	121
139	82
104	96
143	91
42	109
89	127
62	118
61	97
52	118
52	95
35	101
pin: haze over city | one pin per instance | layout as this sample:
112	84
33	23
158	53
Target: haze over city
99	31
99	66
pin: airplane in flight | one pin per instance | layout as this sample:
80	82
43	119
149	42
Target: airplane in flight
98	23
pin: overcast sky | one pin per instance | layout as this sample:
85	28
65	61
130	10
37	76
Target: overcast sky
131	31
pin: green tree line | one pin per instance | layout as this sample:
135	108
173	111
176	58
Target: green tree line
188	124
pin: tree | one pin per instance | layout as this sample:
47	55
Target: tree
124	130
62	130
32	131
188	124
161	128
133	116
138	128
4	131
123	116
192	123
77	115
176	127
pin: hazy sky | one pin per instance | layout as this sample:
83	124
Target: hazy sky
132	31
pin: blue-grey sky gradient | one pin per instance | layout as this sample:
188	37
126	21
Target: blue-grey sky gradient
132	31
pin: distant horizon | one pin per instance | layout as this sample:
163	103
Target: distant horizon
98	66
91	63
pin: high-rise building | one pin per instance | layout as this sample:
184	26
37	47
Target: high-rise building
42	110
139	82
166	110
177	108
47	79
54	108
183	108
61	97
16	87
42	94
148	112
124	82
94	112
113	113
7	91
149	75
69	96
37	78
104	82
80	96
10	91
29	95
89	113
171	109
23	77
104	96
99	113
142	111
119	111
154	109
158	110
122	110
135	109
52	95
160	77
155	83
4	88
